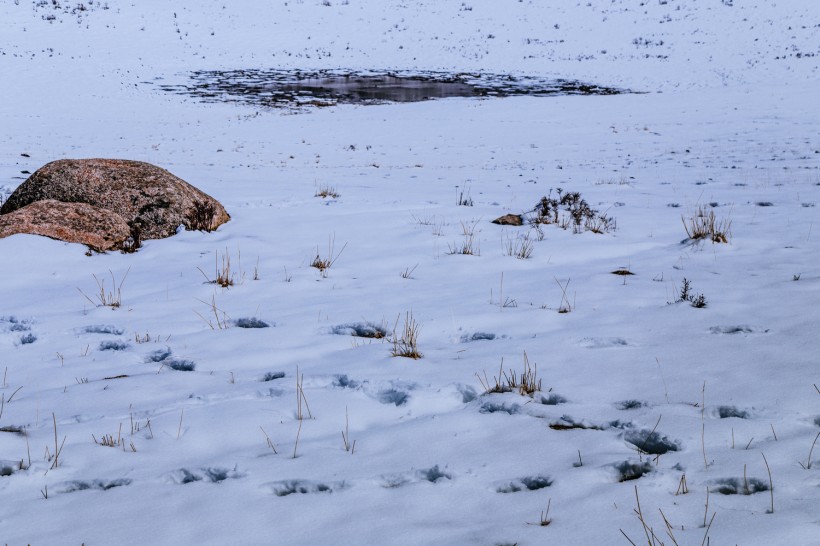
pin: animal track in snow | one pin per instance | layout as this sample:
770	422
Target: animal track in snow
653	443
736	329
527	483
433	474
207	474
627	470
103	329
250	323
84	485
602	342
303	487
738	486
724	412
361	329
113	346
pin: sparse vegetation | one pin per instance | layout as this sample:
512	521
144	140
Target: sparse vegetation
326	191
704	224
324	264
570	210
223	274
107	298
525	384
469	247
696	300
406	344
520	246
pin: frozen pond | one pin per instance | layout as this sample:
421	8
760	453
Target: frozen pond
284	89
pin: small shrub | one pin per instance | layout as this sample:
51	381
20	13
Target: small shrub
569	209
696	300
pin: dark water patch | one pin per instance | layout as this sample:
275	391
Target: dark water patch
296	88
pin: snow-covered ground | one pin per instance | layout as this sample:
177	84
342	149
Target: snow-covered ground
727	120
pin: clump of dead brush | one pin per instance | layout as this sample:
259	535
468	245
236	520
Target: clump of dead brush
221	319
107	298
704	224
223	274
406	344
521	247
323	264
526	384
570	210
469	247
326	191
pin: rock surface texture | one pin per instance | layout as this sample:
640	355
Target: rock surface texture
150	201
72	222
509	220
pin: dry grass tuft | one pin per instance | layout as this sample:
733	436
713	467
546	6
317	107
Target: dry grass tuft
705	225
406	345
323	264
526	384
223	274
326	191
106	298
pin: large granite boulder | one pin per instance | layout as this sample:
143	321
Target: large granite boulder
151	201
97	228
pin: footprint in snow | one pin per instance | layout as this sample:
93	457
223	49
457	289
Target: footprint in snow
207	474
303	487
163	356
526	483
433	474
736	329
85	485
602	342
107	329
